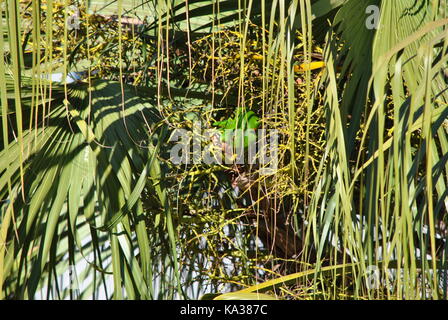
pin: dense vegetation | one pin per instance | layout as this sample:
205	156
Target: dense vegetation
94	94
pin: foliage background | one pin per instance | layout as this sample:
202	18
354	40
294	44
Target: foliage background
85	172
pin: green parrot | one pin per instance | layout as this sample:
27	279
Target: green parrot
246	121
